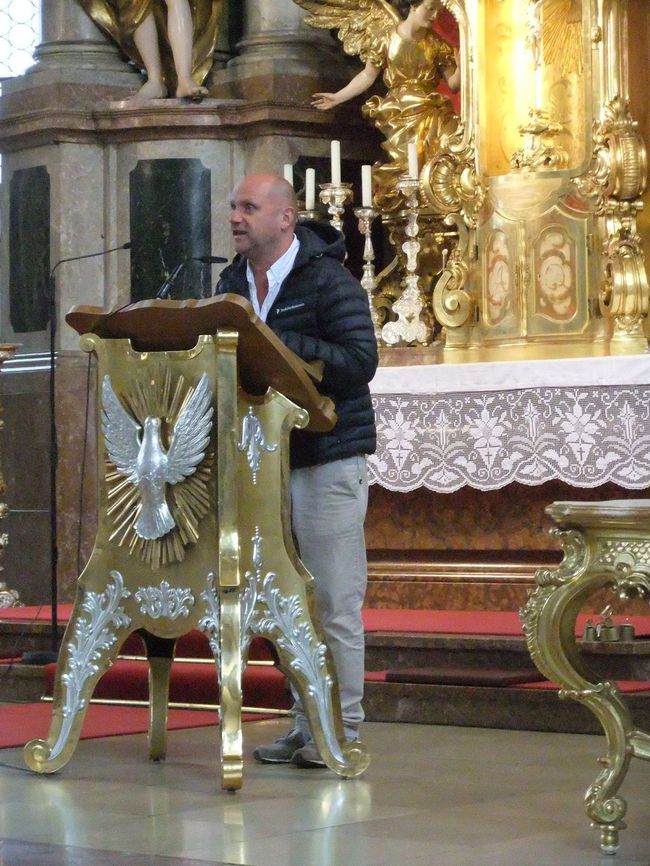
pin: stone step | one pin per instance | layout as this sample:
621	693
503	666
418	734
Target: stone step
525	709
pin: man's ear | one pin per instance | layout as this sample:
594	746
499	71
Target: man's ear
288	217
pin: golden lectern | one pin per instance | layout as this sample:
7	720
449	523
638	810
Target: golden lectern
195	406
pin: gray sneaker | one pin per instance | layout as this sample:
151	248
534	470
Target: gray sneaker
282	750
308	756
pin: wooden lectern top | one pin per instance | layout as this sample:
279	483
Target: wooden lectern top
166	326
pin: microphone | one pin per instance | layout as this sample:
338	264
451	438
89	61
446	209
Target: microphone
165	290
126	246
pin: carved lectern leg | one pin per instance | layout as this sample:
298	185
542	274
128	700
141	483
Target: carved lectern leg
278	588
96	630
229	636
230	693
285	620
549	619
159	671
160	655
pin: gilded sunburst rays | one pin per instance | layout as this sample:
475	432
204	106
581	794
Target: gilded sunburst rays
159	395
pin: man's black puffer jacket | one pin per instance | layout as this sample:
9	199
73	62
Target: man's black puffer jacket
321	313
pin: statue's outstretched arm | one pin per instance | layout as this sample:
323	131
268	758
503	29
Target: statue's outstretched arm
359	84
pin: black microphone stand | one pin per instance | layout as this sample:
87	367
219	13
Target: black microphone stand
51	655
165	290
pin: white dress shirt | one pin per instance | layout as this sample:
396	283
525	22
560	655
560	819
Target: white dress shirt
275	275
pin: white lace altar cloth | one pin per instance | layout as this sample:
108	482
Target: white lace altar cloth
585	421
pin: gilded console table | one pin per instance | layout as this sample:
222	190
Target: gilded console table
196	403
606	545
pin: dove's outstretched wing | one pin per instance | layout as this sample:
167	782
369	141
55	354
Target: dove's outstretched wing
191	433
364	26
121	432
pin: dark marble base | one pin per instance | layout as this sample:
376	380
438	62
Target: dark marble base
484	707
21	683
469	550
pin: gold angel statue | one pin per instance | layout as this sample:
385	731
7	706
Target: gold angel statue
173	40
400	41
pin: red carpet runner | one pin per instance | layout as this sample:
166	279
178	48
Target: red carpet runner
20	723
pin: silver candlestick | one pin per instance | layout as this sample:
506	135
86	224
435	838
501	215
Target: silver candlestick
413	323
365	216
336	196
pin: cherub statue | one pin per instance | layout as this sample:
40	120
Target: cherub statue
173	40
401	42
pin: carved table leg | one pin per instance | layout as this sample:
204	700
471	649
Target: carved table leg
599	554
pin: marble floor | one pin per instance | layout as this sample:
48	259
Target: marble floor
433	796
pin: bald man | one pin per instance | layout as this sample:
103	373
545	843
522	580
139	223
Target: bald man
293	275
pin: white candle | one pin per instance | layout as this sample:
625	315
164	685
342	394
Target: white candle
310	189
336	163
366	186
288	173
413	159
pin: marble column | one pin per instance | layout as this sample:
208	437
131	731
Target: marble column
280	57
73	49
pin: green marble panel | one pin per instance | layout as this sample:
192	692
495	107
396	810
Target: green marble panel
170	221
29	249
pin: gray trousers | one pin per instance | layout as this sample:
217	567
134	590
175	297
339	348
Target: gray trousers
328	509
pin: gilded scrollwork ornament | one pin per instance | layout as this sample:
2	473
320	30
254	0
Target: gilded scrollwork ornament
540	148
94	633
452	304
619	160
450	179
619	134
253	443
165	601
624	292
210	623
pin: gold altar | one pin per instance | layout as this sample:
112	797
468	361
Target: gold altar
194	524
527	244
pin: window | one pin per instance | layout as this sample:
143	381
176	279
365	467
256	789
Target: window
19	33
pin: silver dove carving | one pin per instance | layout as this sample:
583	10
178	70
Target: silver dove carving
139	455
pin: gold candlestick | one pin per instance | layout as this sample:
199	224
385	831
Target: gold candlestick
336	196
308	215
413	323
365	216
